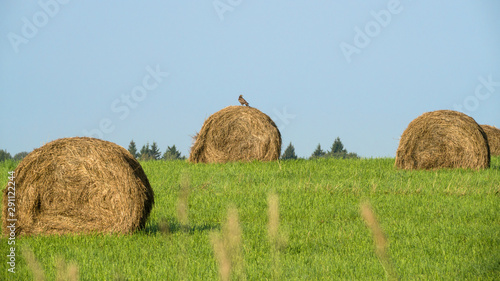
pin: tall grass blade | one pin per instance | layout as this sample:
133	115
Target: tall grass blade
379	240
33	264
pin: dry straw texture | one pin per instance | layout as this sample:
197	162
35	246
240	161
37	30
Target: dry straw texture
443	139
493	134
236	133
79	185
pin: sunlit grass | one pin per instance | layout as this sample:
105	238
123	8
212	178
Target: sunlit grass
441	224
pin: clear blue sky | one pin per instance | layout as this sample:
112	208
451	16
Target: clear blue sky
155	70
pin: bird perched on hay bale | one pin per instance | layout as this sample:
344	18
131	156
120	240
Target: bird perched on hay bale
493	135
443	139
79	185
236	133
243	101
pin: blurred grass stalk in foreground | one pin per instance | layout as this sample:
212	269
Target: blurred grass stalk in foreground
379	240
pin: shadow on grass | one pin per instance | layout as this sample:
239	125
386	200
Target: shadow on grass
170	226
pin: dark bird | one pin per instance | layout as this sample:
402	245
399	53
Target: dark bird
242	100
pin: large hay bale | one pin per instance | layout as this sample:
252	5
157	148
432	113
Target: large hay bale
236	133
443	139
79	185
493	135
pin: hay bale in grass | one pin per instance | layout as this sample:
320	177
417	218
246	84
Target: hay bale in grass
236	133
493	135
79	185
443	139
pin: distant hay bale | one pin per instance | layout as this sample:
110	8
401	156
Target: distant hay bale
493	135
443	139
236	133
79	185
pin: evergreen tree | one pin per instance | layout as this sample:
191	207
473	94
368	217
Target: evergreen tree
337	147
289	153
19	156
318	153
172	153
155	152
4	155
338	151
133	149
145	153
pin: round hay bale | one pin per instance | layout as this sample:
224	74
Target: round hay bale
493	135
79	185
443	139
236	133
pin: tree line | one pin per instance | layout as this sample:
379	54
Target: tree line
147	152
153	152
4	155
336	151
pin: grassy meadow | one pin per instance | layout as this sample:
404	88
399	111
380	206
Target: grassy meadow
212	218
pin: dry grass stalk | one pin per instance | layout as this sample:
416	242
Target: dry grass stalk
232	241
182	203
183	219
379	240
164	226
277	240
222	256
273	216
232	233
228	249
33	264
443	139
236	133
493	135
80	185
183	261
65	271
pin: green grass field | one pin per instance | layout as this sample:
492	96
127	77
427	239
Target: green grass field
440	225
